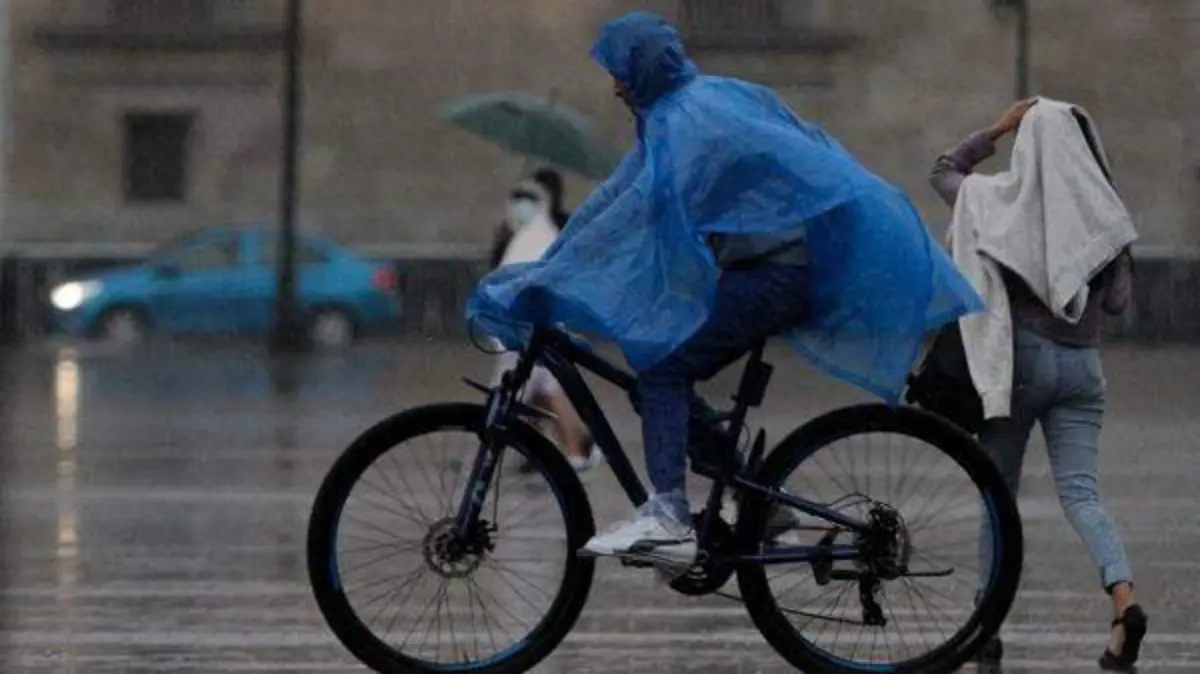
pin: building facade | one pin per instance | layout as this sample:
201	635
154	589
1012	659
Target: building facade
136	120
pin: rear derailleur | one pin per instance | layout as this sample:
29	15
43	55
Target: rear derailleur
886	550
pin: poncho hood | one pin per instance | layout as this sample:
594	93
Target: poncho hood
645	54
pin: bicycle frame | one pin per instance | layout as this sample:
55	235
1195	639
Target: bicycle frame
564	357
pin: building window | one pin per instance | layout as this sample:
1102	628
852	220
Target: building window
156	27
160	14
759	24
156	156
745	17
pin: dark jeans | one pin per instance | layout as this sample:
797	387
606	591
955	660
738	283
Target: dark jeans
750	304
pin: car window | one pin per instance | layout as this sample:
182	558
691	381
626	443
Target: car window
220	253
306	253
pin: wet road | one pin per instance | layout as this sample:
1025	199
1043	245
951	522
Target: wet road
155	511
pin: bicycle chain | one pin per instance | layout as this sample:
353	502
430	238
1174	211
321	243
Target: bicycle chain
791	611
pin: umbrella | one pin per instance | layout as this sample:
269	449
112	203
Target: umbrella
536	128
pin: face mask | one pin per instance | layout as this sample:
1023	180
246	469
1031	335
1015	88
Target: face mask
522	211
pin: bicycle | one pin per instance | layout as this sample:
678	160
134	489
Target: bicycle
864	546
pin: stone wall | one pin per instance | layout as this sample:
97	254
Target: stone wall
378	167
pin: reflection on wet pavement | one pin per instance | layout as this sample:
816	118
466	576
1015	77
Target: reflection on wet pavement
156	504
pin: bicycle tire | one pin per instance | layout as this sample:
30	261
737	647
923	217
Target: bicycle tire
809	438
387	435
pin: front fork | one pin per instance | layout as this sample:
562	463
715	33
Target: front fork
502	405
487	459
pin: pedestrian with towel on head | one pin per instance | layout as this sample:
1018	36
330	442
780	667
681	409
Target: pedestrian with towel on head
1046	244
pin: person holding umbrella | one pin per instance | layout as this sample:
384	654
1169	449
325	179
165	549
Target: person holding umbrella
534	218
553	182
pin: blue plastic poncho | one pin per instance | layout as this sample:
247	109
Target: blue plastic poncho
721	156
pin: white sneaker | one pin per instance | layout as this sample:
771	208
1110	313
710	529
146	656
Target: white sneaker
780	520
594	458
652	536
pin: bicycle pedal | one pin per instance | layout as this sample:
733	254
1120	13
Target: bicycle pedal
662	563
642	555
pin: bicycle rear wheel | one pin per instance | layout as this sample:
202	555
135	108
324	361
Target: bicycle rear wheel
403	593
938	572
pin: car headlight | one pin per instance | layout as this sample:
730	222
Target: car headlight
71	295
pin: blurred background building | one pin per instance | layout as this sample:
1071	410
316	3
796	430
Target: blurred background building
133	121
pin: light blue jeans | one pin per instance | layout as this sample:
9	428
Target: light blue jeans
1062	388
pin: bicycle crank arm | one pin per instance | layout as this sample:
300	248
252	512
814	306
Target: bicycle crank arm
642	556
658	561
652	561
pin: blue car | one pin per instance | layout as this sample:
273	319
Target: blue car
222	281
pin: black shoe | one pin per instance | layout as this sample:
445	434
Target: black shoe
987	661
1134	620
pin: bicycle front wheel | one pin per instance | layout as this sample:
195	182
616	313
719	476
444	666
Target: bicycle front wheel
923	588
405	593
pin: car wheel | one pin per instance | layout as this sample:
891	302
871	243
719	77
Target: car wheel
122	326
331	329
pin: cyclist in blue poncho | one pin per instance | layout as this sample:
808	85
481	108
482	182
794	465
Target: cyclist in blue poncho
730	220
